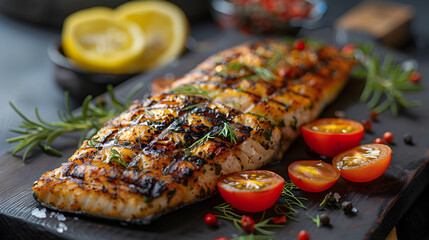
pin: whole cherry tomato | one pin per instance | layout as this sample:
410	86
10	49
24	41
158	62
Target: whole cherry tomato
330	136
363	163
251	191
313	175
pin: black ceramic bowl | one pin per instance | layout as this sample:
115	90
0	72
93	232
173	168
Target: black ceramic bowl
78	82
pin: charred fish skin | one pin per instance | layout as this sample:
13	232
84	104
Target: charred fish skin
169	150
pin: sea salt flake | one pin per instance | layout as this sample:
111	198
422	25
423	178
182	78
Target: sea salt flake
61	227
39	213
61	217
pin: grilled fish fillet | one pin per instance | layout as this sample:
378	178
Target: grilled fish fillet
238	110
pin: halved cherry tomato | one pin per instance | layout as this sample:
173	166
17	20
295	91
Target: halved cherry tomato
251	191
363	163
330	136
313	175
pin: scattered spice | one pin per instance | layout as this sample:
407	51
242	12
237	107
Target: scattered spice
340	114
303	235
373	115
415	77
347	207
299	45
388	137
210	220
408	139
324	219
279	220
379	141
348	49
367	125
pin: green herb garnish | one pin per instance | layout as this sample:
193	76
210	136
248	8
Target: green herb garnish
90	119
384	79
228	131
316	219
191	90
91	142
202	140
117	157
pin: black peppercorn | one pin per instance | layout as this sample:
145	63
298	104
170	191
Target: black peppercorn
408	139
324	219
347	207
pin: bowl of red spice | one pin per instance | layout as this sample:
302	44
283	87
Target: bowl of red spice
267	16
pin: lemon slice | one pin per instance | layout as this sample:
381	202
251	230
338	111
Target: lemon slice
98	42
165	27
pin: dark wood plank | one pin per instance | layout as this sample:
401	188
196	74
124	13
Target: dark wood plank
380	203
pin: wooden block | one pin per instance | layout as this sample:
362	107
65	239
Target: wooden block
388	22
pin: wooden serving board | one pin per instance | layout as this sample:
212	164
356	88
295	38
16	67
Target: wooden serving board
380	203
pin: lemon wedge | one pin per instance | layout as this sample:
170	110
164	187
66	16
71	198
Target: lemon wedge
96	41
165	27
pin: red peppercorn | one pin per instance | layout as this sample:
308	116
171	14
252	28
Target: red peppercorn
348	49
279	220
247	223
388	137
221	238
303	235
210	220
285	72
415	77
367	125
373	115
299	45
379	140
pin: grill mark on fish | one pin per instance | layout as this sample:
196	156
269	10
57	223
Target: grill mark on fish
157	138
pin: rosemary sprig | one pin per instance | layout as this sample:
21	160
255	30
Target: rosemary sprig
90	119
191	90
384	80
117	157
202	140
226	131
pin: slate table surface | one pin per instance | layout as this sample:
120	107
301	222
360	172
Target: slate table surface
27	81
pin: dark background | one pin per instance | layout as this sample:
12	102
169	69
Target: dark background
27	79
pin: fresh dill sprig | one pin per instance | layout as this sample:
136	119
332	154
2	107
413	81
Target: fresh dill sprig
90	119
191	90
386	79
117	157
